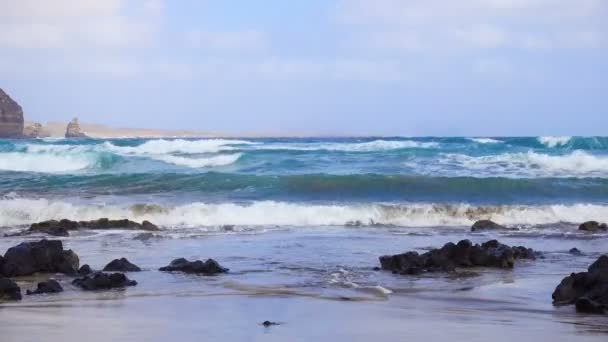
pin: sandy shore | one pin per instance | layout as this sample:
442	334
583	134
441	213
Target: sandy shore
57	129
319	285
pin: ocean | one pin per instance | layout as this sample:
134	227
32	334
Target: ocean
301	223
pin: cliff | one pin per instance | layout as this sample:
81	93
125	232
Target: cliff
11	117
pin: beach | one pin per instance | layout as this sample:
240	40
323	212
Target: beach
301	224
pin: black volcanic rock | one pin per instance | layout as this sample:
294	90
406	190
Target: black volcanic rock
486	225
121	265
9	289
593	226
587	290
452	256
62	227
47	256
103	281
49	286
84	270
11	117
208	267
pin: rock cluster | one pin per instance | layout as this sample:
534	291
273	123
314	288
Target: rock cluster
62	227
73	130
461	255
11	117
208	267
487	225
103	281
588	291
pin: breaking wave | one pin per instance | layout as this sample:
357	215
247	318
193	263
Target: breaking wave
21	211
162	146
485	140
550	141
529	164
370	146
200	162
45	163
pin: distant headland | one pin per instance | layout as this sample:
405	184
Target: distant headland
14	126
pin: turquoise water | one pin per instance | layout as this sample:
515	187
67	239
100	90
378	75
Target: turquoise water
307	181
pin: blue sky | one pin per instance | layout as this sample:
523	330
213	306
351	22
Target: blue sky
376	67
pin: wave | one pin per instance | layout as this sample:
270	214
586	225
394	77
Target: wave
45	163
485	140
202	162
20	211
162	146
551	141
370	146
529	164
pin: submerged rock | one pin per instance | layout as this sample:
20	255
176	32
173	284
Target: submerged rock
49	286
270	323
587	290
103	281
452	256
121	265
486	225
11	117
46	256
62	227
9	289
575	251
593	226
73	130
182	265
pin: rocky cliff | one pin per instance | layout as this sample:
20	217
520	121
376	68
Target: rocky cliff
35	130
11	117
73	130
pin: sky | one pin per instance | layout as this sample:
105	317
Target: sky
312	67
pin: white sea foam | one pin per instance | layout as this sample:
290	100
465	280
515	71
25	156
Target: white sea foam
532	164
551	141
162	146
44	163
370	146
200	162
21	211
485	140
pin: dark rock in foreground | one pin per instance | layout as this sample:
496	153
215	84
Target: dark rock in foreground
49	286
121	265
9	289
452	256
182	265
103	281
487	225
62	227
593	226
84	270
47	256
587	290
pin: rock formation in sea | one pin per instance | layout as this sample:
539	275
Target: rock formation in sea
62	227
11	117
208	267
73	130
461	255
35	130
103	281
593	226
49	286
121	265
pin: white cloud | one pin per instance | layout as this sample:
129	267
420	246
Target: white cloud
71	25
396	25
